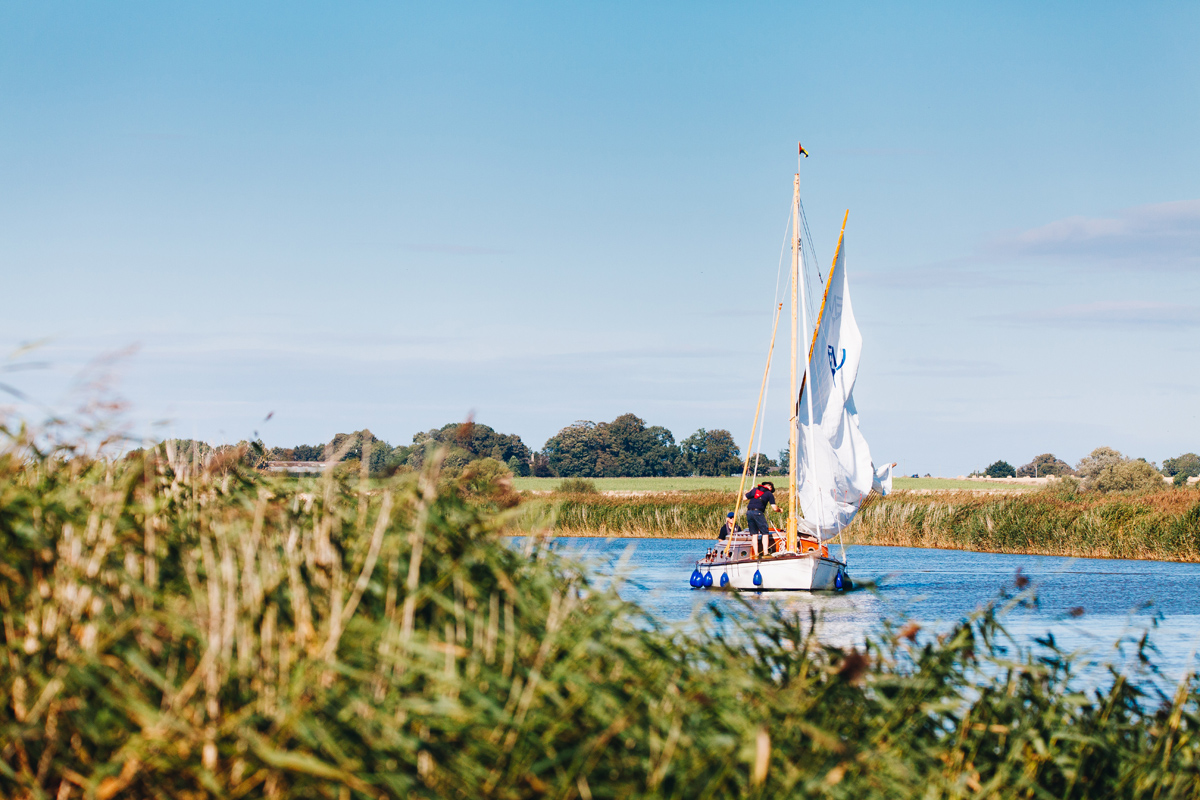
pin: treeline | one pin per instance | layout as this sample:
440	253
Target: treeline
467	442
627	448
624	448
1104	469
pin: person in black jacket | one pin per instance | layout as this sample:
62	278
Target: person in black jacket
759	498
729	527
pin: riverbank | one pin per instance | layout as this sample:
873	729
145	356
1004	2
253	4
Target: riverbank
1161	526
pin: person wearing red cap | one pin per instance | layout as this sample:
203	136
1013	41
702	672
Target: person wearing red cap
756	509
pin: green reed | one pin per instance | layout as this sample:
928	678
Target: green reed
178	633
694	515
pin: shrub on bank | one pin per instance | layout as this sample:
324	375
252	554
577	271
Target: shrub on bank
577	486
1106	470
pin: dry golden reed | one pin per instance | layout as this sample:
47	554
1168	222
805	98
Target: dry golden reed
1162	525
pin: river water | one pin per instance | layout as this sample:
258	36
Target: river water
1089	605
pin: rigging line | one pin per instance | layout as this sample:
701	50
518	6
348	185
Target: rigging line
787	224
756	452
808	233
757	412
812	264
766	376
814	260
763	427
782	249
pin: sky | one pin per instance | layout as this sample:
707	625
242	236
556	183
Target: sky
394	216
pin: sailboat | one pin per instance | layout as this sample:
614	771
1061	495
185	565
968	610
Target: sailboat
831	475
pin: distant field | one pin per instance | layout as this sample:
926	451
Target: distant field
954	485
731	484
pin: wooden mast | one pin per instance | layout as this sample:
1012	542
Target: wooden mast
793	429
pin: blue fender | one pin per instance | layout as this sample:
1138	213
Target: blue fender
837	582
697	578
757	578
724	579
708	580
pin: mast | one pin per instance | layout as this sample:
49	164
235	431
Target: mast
793	429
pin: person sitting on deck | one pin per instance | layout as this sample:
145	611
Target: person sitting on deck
729	527
760	497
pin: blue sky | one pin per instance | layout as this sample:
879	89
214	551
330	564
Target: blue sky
391	216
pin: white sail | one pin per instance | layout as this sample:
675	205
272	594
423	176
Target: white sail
835	473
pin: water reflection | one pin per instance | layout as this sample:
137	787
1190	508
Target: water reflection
1114	600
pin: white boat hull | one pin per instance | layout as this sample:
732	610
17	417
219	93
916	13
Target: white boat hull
784	572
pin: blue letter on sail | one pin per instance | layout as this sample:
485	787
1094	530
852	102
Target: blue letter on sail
834	366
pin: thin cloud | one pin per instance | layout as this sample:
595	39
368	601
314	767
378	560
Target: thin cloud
455	249
877	152
1112	313
592	357
958	274
948	368
1163	235
734	312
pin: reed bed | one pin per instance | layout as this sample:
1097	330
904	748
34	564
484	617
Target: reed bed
1163	526
170	633
669	515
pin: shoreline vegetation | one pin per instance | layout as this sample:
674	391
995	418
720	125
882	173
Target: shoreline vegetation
1056	521
219	633
730	484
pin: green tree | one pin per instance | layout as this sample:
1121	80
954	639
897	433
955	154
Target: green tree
474	440
574	450
1182	467
1135	475
352	447
625	447
1091	465
711	453
1044	465
188	451
662	456
251	454
516	467
1000	469
306	452
488	480
540	466
763	464
1107	470
637	450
